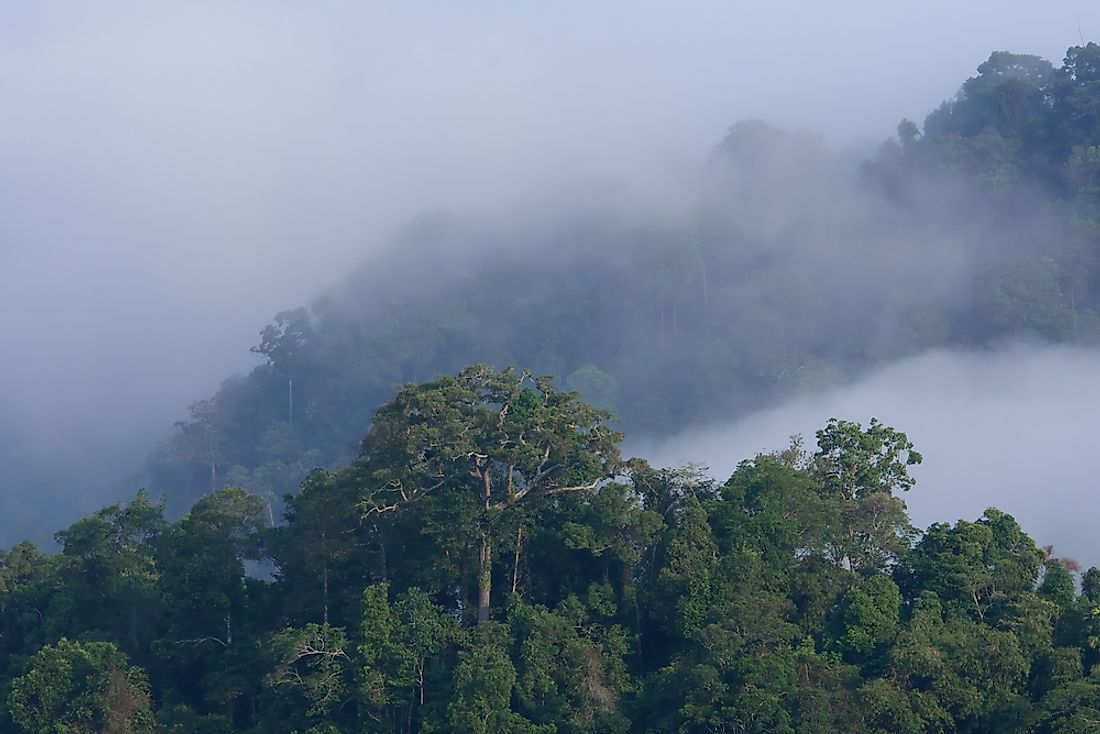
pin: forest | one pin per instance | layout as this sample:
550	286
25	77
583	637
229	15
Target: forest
491	563
390	526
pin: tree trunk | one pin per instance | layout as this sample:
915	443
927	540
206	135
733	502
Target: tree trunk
485	578
515	560
485	557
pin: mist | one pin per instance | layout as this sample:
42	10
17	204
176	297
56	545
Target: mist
1013	428
174	175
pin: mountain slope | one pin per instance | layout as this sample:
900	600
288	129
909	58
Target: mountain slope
796	267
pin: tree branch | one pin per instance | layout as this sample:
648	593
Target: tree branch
505	504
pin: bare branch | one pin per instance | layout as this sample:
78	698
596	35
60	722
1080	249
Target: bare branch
378	509
369	507
576	488
199	640
505	504
306	649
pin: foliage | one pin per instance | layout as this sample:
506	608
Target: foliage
491	564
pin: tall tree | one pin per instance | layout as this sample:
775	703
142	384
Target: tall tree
860	470
499	438
284	345
203	440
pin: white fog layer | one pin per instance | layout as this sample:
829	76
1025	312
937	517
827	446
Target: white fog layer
1017	429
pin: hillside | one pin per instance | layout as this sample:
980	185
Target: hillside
795	267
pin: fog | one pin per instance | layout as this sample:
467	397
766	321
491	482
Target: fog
174	174
1014	428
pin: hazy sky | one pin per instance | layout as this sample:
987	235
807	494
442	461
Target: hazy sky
172	174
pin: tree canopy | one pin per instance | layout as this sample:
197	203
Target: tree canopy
490	563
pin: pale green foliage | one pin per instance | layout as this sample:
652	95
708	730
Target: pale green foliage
313	661
856	462
860	470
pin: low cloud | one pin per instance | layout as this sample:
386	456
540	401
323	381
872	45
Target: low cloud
1015	428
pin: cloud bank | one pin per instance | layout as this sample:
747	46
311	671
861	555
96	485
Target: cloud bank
1016	429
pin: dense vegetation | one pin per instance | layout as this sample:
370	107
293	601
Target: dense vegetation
490	563
793	268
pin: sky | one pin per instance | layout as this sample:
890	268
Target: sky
173	174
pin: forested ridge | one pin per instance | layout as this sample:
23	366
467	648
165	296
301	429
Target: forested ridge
792	268
477	555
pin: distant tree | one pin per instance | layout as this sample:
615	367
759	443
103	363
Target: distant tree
908	133
324	551
28	585
776	504
203	440
1090	585
597	387
1008	95
685	586
568	674
869	618
285	345
401	642
1025	296
960	675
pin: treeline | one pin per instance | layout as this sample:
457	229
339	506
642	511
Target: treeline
491	563
794	268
